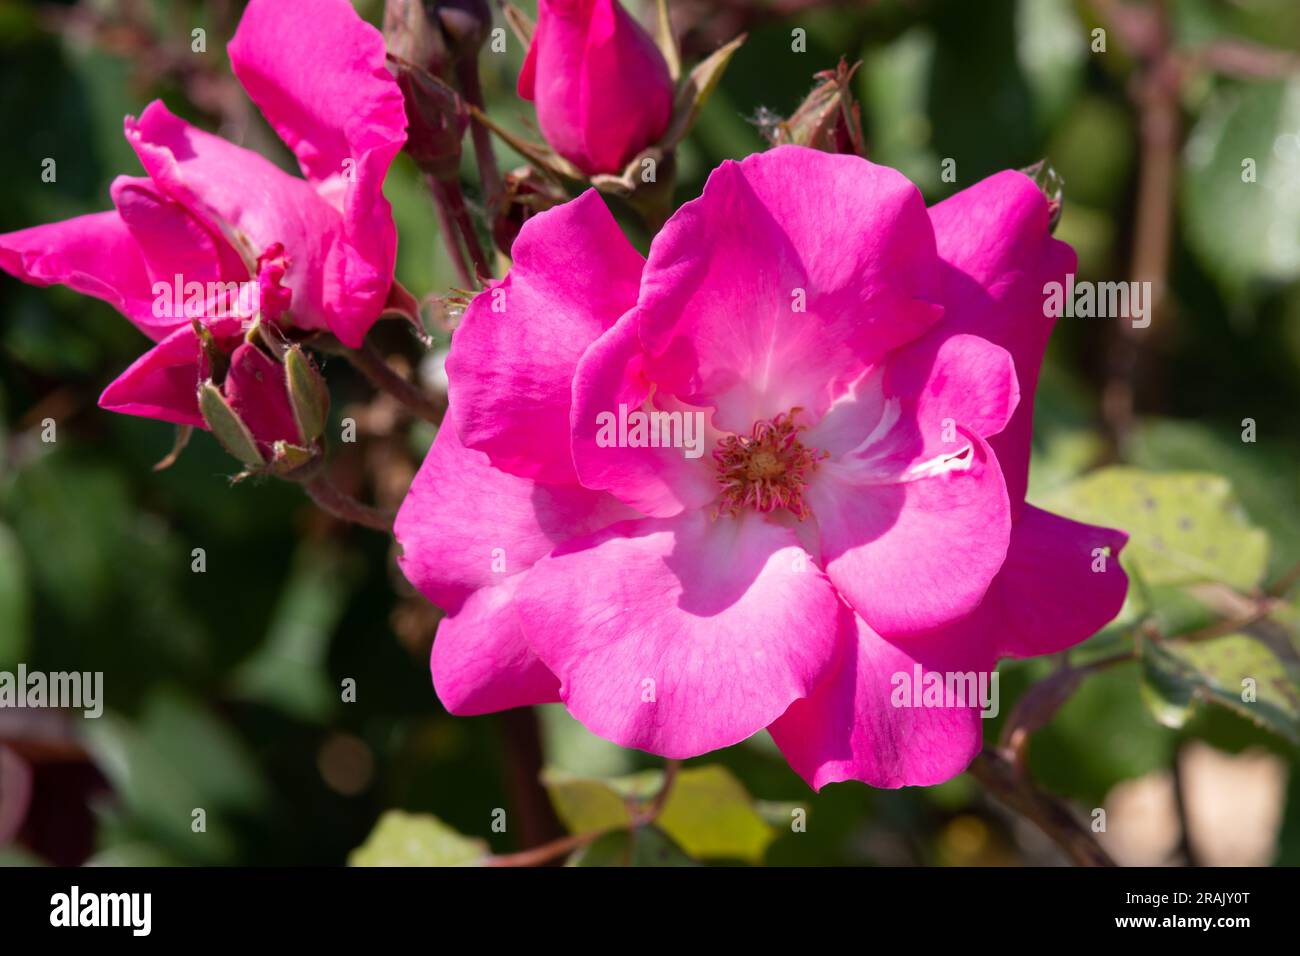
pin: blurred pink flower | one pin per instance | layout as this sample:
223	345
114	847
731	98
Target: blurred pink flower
864	370
319	251
602	87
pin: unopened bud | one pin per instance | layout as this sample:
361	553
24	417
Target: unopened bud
227	427
308	395
410	34
828	119
436	120
1049	181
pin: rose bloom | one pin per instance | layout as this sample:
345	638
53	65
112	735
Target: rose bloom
602	88
320	248
864	369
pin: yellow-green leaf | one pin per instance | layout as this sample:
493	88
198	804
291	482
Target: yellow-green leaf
416	839
1184	527
711	815
1237	671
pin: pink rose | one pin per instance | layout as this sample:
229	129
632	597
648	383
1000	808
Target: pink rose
319	250
862	371
602	87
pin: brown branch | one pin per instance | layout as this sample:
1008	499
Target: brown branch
382	376
997	775
524	760
555	849
481	136
547	852
1155	91
447	193
345	507
450	236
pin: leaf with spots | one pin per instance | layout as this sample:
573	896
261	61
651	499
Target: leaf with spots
1256	678
1184	527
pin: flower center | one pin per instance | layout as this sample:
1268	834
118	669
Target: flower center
766	469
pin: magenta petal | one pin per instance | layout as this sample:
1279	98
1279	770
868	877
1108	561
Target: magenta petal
914	554
466	525
481	663
921	403
994	238
682	635
94	254
163	383
256	389
602	87
316	70
513	357
1057	588
850	728
655	481
247	199
173	242
756	299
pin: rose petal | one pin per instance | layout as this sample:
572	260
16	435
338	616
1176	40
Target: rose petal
914	554
682	635
513	357
95	255
466	525
994	238
317	72
480	661
755	301
163	383
851	727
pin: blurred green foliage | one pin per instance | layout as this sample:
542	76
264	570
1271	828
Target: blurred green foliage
224	686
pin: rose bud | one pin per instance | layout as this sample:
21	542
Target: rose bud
602	88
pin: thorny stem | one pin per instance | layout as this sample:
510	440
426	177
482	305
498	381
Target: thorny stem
345	507
999	777
548	852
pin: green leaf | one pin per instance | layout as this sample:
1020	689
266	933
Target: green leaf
584	804
1221	670
416	839
159	794
644	846
708	812
712	816
573	748
15	603
1263	474
1184	527
1246	231
288	669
